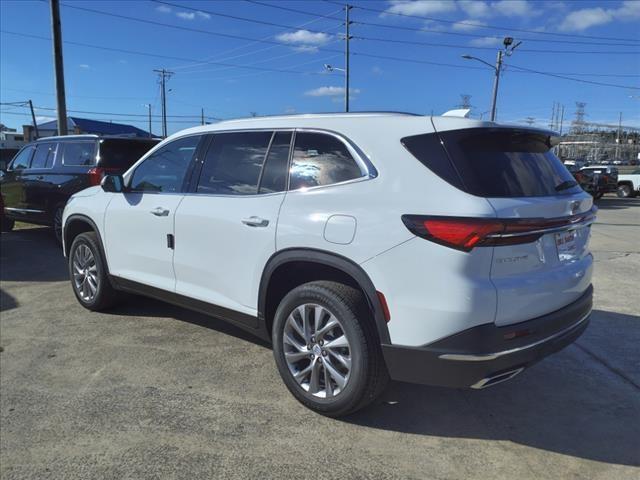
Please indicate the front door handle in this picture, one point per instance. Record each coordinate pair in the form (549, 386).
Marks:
(255, 222)
(160, 212)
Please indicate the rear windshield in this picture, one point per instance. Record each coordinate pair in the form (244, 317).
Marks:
(494, 162)
(122, 153)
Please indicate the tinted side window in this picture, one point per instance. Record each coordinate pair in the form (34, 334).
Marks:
(164, 170)
(23, 158)
(44, 156)
(321, 159)
(79, 153)
(233, 163)
(122, 153)
(274, 173)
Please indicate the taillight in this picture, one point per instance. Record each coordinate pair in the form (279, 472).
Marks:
(463, 233)
(95, 175)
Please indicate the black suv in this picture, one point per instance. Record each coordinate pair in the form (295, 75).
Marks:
(45, 173)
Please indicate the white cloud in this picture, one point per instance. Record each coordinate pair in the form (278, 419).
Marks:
(512, 8)
(465, 25)
(486, 42)
(421, 7)
(587, 17)
(84, 66)
(376, 70)
(475, 8)
(163, 9)
(203, 15)
(186, 15)
(306, 48)
(330, 92)
(304, 37)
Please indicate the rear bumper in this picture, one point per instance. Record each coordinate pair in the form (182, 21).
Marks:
(486, 354)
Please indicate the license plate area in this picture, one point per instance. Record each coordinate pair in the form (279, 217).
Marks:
(567, 245)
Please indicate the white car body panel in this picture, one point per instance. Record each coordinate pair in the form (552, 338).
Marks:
(136, 239)
(218, 258)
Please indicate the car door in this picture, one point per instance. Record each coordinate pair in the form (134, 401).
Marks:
(225, 229)
(139, 222)
(13, 195)
(38, 189)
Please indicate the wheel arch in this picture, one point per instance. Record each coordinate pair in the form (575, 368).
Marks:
(309, 264)
(77, 224)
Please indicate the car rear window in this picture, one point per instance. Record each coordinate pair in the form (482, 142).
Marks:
(494, 162)
(122, 153)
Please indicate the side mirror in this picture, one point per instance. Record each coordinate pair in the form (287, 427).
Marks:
(112, 183)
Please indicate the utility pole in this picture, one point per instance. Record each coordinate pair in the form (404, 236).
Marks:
(496, 81)
(164, 75)
(59, 67)
(202, 116)
(148, 105)
(33, 117)
(561, 119)
(619, 139)
(347, 37)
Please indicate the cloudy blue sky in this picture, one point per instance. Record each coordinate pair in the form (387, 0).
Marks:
(266, 56)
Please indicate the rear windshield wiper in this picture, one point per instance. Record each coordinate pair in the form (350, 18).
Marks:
(565, 185)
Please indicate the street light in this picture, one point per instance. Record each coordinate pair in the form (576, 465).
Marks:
(508, 50)
(331, 68)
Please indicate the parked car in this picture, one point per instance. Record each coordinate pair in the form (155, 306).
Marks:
(362, 246)
(629, 184)
(45, 173)
(606, 178)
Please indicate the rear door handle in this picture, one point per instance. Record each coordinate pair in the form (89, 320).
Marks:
(255, 222)
(160, 212)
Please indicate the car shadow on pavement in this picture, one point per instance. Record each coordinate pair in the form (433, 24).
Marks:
(567, 404)
(613, 203)
(7, 302)
(138, 306)
(31, 255)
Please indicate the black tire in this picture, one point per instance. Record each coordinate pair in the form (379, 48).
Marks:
(7, 224)
(625, 191)
(368, 374)
(598, 195)
(105, 295)
(57, 224)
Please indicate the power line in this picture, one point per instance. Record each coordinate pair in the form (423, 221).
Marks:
(170, 57)
(109, 113)
(265, 69)
(492, 27)
(370, 24)
(132, 120)
(581, 80)
(472, 47)
(235, 17)
(295, 10)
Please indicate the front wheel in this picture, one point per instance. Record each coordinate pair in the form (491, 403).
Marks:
(326, 348)
(88, 274)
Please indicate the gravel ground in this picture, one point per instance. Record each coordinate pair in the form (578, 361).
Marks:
(153, 391)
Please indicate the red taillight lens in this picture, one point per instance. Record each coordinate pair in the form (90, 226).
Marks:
(95, 175)
(464, 233)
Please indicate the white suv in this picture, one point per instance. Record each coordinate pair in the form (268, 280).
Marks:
(435, 250)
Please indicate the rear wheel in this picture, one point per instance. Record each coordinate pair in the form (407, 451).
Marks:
(598, 195)
(624, 191)
(326, 348)
(88, 274)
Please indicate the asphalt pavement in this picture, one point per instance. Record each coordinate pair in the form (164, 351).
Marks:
(149, 390)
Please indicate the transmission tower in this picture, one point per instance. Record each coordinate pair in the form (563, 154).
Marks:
(465, 101)
(530, 120)
(578, 124)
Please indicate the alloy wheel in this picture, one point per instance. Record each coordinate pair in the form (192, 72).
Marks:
(317, 350)
(85, 273)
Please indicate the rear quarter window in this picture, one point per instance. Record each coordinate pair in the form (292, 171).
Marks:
(79, 154)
